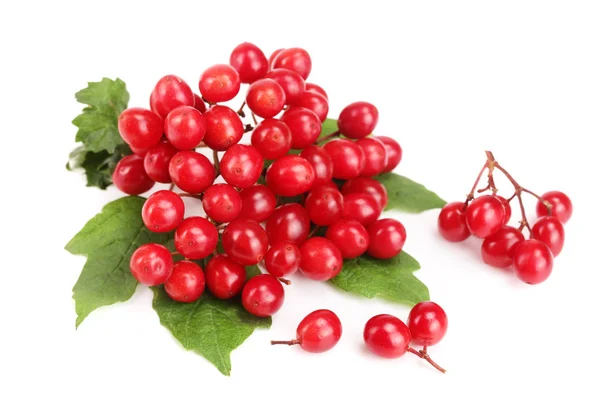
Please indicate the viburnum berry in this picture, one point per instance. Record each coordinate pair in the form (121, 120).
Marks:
(497, 250)
(283, 258)
(219, 83)
(428, 323)
(295, 59)
(358, 120)
(314, 102)
(324, 205)
(562, 207)
(288, 223)
(258, 203)
(350, 237)
(375, 156)
(140, 128)
(130, 176)
(272, 138)
(139, 151)
(533, 261)
(290, 175)
(196, 238)
(151, 264)
(192, 172)
(452, 222)
(249, 61)
(199, 104)
(224, 128)
(485, 216)
(393, 151)
(265, 98)
(186, 283)
(507, 209)
(367, 186)
(362, 207)
(320, 259)
(224, 277)
(221, 202)
(163, 211)
(313, 87)
(348, 158)
(245, 241)
(263, 295)
(386, 336)
(318, 332)
(272, 58)
(304, 124)
(386, 238)
(321, 163)
(185, 127)
(290, 81)
(241, 165)
(156, 162)
(169, 93)
(550, 231)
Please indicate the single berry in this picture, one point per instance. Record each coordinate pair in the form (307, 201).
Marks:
(386, 336)
(186, 283)
(427, 323)
(263, 295)
(358, 120)
(305, 126)
(318, 332)
(375, 156)
(295, 59)
(258, 203)
(367, 186)
(291, 83)
(249, 61)
(320, 259)
(224, 128)
(314, 102)
(272, 58)
(350, 236)
(507, 210)
(224, 277)
(393, 151)
(130, 176)
(550, 231)
(313, 87)
(452, 222)
(169, 93)
(533, 261)
(288, 223)
(321, 163)
(196, 238)
(283, 258)
(192, 172)
(348, 158)
(290, 176)
(498, 249)
(151, 264)
(139, 151)
(245, 241)
(140, 128)
(199, 104)
(324, 205)
(241, 165)
(156, 162)
(221, 202)
(386, 238)
(272, 138)
(485, 216)
(361, 207)
(265, 98)
(163, 211)
(185, 127)
(219, 83)
(562, 208)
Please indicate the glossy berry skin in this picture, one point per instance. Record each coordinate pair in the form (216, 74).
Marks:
(283, 258)
(428, 323)
(169, 93)
(241, 165)
(497, 250)
(295, 59)
(224, 277)
(348, 158)
(357, 120)
(288, 223)
(375, 156)
(507, 209)
(313, 87)
(533, 261)
(562, 207)
(485, 216)
(151, 264)
(265, 98)
(249, 61)
(199, 104)
(452, 222)
(245, 241)
(263, 295)
(272, 138)
(291, 83)
(314, 102)
(224, 128)
(219, 83)
(362, 207)
(305, 126)
(130, 176)
(393, 151)
(272, 58)
(319, 331)
(258, 203)
(324, 205)
(350, 237)
(321, 163)
(222, 202)
(386, 336)
(367, 186)
(290, 176)
(139, 151)
(386, 238)
(192, 172)
(163, 211)
(140, 128)
(550, 231)
(156, 162)
(185, 127)
(320, 259)
(186, 284)
(196, 238)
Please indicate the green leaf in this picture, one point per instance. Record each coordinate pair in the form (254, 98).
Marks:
(210, 327)
(390, 279)
(407, 195)
(329, 126)
(108, 240)
(98, 167)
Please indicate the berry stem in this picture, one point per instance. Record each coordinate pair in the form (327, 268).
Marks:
(423, 354)
(315, 229)
(193, 196)
(201, 146)
(327, 137)
(208, 102)
(216, 162)
(241, 112)
(248, 128)
(288, 342)
(175, 253)
(471, 194)
(285, 281)
(171, 187)
(254, 119)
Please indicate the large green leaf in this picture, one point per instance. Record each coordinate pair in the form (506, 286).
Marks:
(407, 195)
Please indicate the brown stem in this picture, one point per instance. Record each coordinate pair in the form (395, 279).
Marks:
(315, 229)
(288, 342)
(193, 196)
(241, 112)
(285, 281)
(254, 119)
(471, 194)
(327, 137)
(248, 128)
(423, 354)
(175, 253)
(202, 145)
(216, 162)
(171, 187)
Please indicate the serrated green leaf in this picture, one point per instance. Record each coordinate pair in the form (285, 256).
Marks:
(108, 240)
(407, 195)
(391, 279)
(98, 167)
(210, 327)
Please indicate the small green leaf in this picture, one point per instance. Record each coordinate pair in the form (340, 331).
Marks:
(407, 195)
(108, 240)
(252, 271)
(329, 126)
(390, 279)
(210, 327)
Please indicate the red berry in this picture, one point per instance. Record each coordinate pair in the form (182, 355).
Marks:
(562, 208)
(224, 128)
(185, 127)
(367, 186)
(245, 241)
(324, 205)
(263, 295)
(290, 176)
(361, 207)
(350, 236)
(265, 98)
(163, 211)
(318, 332)
(393, 151)
(192, 172)
(375, 156)
(291, 83)
(272, 58)
(321, 163)
(151, 264)
(452, 222)
(295, 59)
(258, 203)
(313, 87)
(304, 124)
(497, 250)
(550, 231)
(196, 238)
(241, 165)
(386, 238)
(272, 138)
(140, 151)
(288, 223)
(219, 83)
(169, 93)
(140, 128)
(130, 176)
(386, 336)
(224, 277)
(186, 283)
(348, 158)
(283, 258)
(156, 162)
(507, 210)
(485, 216)
(199, 104)
(358, 120)
(249, 61)
(221, 202)
(533, 261)
(427, 323)
(314, 102)
(320, 259)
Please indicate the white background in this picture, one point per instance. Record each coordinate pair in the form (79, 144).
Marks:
(450, 79)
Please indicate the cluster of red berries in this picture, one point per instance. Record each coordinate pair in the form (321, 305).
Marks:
(504, 246)
(164, 140)
(384, 335)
